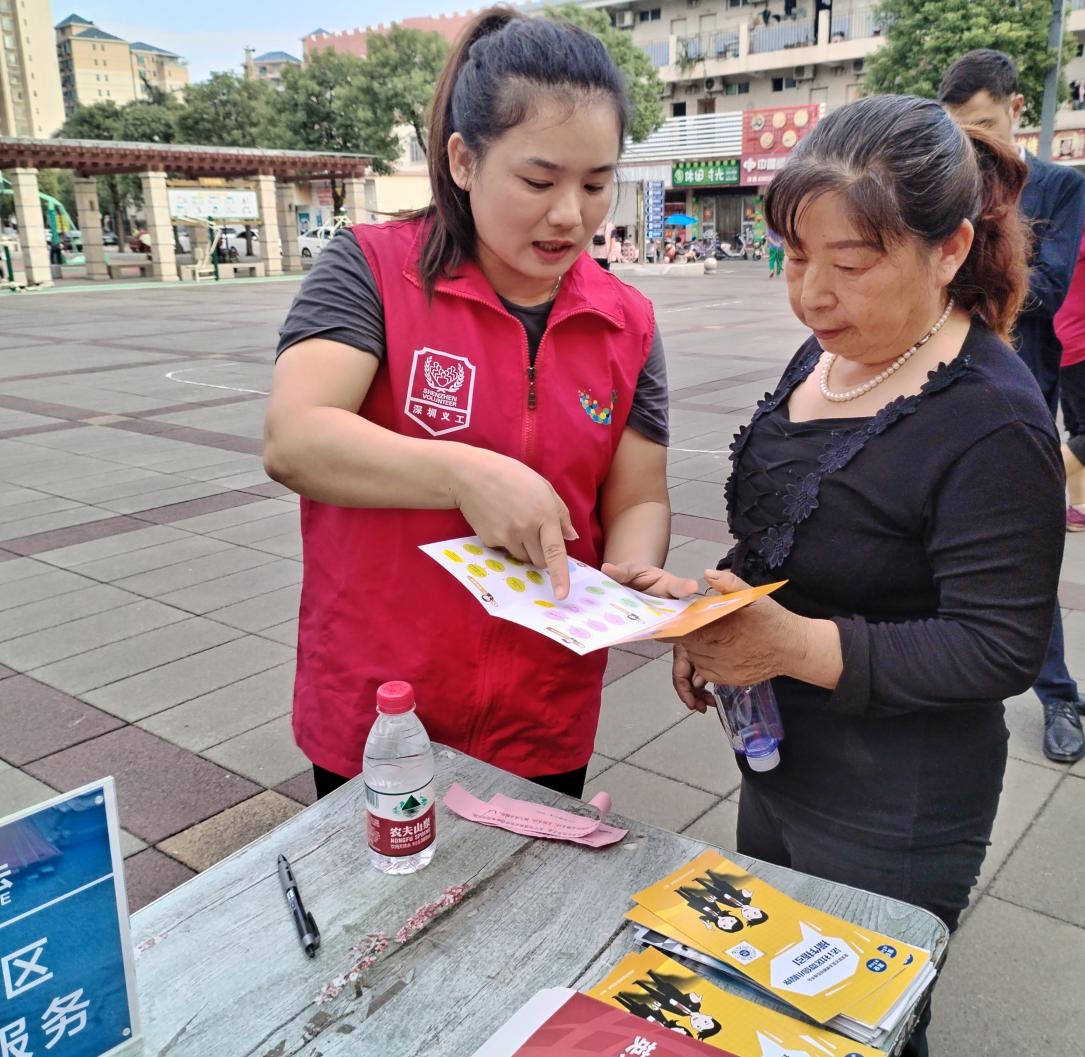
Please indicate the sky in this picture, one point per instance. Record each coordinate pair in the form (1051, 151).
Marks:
(213, 34)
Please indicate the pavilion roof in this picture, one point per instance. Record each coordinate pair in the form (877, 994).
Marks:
(101, 157)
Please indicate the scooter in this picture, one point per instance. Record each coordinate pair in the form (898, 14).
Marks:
(734, 250)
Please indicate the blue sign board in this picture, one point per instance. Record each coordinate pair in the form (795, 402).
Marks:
(67, 988)
(653, 209)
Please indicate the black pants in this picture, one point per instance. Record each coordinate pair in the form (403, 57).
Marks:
(1072, 398)
(937, 878)
(571, 783)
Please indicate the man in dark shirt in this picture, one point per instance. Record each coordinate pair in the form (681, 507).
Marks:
(980, 88)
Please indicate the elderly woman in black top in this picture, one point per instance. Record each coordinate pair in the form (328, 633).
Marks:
(904, 478)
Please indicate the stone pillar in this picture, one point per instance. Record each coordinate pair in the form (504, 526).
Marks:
(159, 228)
(90, 226)
(24, 186)
(199, 236)
(288, 228)
(354, 199)
(270, 242)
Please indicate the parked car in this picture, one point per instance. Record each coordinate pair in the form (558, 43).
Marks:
(312, 242)
(109, 238)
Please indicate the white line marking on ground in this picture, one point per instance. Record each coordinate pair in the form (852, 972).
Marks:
(173, 377)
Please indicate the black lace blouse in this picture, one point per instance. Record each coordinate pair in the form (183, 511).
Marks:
(931, 533)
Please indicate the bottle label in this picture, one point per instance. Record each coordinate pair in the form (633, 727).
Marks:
(400, 823)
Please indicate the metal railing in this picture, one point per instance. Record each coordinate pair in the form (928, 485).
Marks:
(780, 35)
(857, 24)
(720, 44)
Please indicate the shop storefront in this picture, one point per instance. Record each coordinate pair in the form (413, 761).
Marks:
(710, 191)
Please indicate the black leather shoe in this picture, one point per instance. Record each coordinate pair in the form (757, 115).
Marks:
(1064, 741)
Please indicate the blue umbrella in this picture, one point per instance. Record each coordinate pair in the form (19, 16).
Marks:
(682, 220)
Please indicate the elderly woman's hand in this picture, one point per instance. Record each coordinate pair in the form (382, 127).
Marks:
(746, 647)
(759, 642)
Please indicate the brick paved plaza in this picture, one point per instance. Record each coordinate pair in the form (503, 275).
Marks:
(149, 577)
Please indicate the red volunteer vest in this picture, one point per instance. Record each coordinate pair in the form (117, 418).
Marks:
(374, 607)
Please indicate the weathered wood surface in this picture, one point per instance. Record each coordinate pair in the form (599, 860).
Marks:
(221, 972)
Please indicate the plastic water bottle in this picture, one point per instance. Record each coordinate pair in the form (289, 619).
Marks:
(751, 718)
(401, 821)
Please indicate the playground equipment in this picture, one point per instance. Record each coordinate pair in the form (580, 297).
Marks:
(58, 219)
(206, 264)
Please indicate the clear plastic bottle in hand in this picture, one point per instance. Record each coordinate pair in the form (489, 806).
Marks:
(401, 819)
(751, 718)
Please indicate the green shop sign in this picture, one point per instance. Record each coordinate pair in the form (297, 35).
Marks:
(704, 173)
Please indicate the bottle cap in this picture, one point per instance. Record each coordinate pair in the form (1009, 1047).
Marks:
(764, 762)
(395, 697)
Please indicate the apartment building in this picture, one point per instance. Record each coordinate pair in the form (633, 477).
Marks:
(156, 68)
(99, 67)
(718, 55)
(269, 66)
(30, 99)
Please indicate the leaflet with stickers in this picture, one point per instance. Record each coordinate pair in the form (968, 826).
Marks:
(858, 981)
(660, 990)
(598, 611)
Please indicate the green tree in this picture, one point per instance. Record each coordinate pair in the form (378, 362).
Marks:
(642, 78)
(146, 122)
(401, 71)
(924, 36)
(103, 121)
(328, 105)
(228, 111)
(97, 121)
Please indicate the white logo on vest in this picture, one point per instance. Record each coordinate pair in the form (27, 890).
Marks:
(440, 392)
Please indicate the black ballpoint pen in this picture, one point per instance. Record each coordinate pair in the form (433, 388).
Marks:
(305, 923)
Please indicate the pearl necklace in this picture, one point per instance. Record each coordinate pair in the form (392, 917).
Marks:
(900, 361)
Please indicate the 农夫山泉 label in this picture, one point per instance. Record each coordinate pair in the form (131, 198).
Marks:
(400, 824)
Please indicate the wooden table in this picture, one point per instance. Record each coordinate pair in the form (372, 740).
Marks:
(221, 972)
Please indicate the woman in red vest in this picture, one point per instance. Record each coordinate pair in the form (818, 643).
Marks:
(471, 370)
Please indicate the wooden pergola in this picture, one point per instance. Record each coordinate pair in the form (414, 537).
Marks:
(100, 158)
(271, 171)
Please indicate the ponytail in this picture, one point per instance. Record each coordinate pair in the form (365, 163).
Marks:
(993, 281)
(451, 235)
(490, 83)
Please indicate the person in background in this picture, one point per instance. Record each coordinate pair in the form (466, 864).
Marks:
(776, 252)
(1070, 330)
(981, 89)
(434, 380)
(906, 617)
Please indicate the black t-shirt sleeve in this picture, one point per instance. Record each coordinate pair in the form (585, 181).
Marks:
(650, 413)
(994, 540)
(338, 300)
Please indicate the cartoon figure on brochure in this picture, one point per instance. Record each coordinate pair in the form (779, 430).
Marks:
(726, 895)
(662, 998)
(720, 904)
